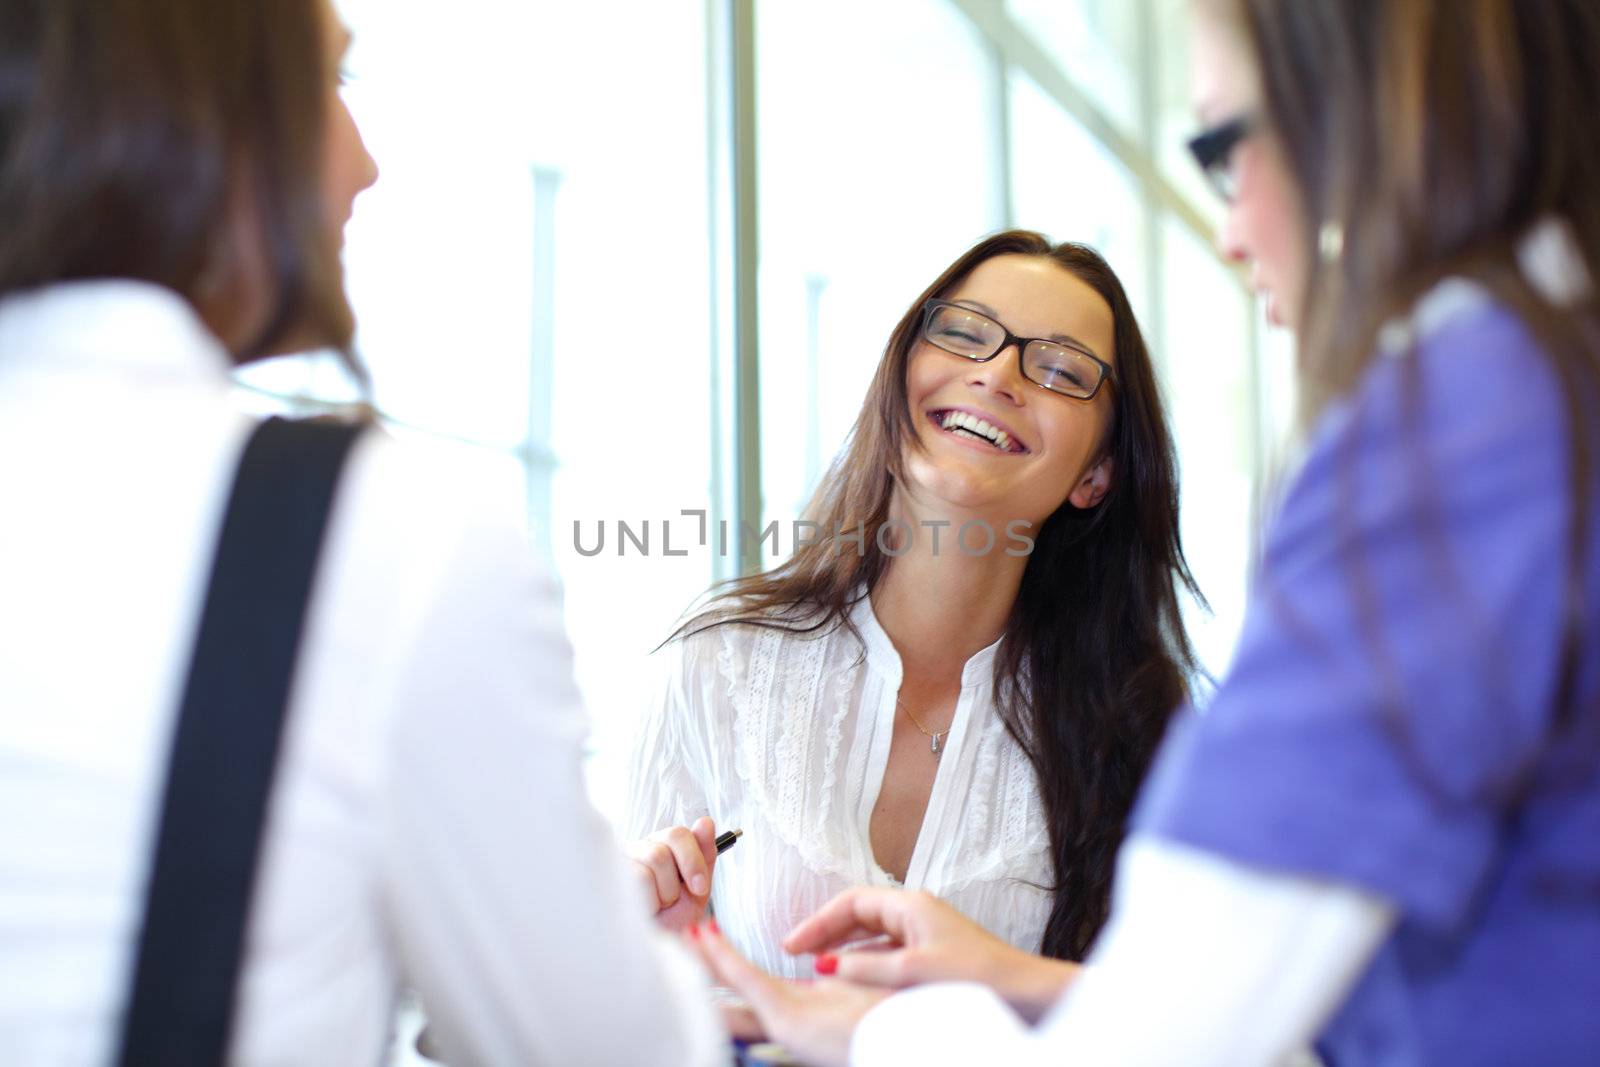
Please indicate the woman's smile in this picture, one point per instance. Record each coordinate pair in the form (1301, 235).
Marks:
(979, 430)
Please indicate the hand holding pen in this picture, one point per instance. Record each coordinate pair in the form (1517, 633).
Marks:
(675, 868)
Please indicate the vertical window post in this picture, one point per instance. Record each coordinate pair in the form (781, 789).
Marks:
(537, 453)
(735, 244)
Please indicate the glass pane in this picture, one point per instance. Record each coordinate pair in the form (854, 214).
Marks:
(1175, 118)
(873, 178)
(1065, 183)
(1095, 43)
(531, 274)
(439, 256)
(1210, 391)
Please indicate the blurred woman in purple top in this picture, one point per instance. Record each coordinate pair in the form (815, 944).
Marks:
(1384, 833)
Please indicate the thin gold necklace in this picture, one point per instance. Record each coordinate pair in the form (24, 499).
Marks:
(935, 740)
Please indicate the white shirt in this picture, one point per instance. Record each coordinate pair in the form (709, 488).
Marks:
(787, 737)
(429, 822)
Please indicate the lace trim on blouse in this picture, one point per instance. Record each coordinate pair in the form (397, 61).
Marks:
(781, 689)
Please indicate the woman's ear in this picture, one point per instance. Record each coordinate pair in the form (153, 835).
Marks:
(1094, 485)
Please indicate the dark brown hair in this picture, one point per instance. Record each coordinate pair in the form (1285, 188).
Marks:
(1095, 657)
(1438, 136)
(130, 130)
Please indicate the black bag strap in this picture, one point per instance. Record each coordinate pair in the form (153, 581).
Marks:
(226, 744)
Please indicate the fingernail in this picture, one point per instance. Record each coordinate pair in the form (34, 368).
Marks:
(827, 963)
(693, 931)
(714, 927)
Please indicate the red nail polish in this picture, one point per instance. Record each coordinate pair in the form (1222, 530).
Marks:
(714, 927)
(693, 931)
(827, 963)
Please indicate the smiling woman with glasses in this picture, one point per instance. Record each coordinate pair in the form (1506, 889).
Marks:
(957, 685)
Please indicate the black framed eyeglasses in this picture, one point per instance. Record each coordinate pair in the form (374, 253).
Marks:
(1059, 366)
(1213, 150)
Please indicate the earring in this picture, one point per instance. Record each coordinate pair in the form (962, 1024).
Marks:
(1330, 241)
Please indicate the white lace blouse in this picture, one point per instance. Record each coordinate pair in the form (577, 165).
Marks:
(787, 737)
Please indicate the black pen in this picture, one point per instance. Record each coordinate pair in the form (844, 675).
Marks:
(725, 841)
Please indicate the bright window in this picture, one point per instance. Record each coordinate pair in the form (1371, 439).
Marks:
(533, 274)
(874, 176)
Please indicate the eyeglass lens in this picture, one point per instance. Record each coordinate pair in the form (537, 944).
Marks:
(1213, 150)
(964, 332)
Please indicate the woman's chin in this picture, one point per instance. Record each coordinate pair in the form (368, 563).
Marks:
(957, 501)
(1274, 311)
(1277, 314)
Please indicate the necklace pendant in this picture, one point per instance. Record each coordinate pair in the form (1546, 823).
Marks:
(934, 743)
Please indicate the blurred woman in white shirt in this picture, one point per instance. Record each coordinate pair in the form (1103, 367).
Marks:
(174, 181)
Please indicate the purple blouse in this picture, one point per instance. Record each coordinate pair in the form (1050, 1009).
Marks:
(1390, 720)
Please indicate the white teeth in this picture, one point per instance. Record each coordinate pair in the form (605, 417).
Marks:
(960, 420)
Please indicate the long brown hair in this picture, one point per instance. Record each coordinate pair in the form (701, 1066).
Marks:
(1438, 136)
(129, 130)
(1095, 657)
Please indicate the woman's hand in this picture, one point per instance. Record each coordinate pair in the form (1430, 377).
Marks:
(675, 868)
(814, 1021)
(923, 939)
